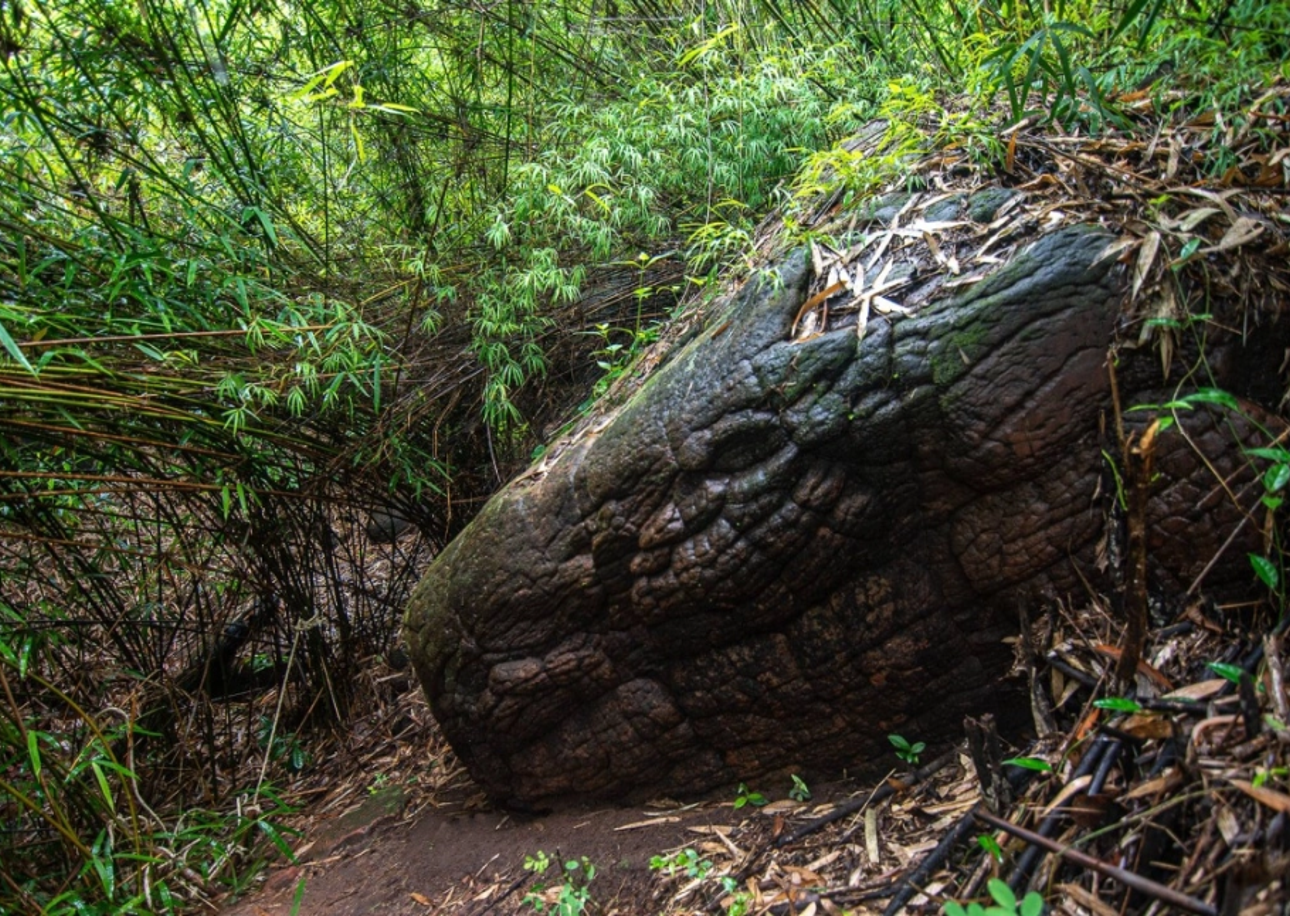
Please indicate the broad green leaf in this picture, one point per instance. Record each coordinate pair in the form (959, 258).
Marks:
(1032, 905)
(1117, 704)
(1272, 454)
(1227, 671)
(324, 77)
(1029, 763)
(1266, 570)
(1212, 396)
(1002, 894)
(1276, 477)
(103, 785)
(14, 350)
(275, 835)
(33, 752)
(991, 846)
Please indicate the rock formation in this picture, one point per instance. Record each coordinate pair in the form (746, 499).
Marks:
(783, 548)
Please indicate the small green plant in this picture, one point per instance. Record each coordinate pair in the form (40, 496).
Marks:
(906, 751)
(745, 797)
(286, 748)
(991, 846)
(1005, 903)
(538, 863)
(799, 792)
(1263, 775)
(572, 897)
(614, 358)
(687, 860)
(379, 782)
(740, 902)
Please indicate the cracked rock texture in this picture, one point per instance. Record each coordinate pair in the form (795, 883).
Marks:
(778, 552)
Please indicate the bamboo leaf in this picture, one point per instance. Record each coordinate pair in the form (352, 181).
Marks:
(14, 350)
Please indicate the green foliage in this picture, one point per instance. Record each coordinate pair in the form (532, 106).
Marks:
(263, 268)
(1005, 903)
(67, 793)
(686, 861)
(570, 898)
(1118, 704)
(743, 797)
(1227, 671)
(800, 792)
(1269, 567)
(1030, 763)
(905, 750)
(991, 846)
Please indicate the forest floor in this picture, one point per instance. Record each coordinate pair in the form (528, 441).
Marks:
(1177, 802)
(1172, 796)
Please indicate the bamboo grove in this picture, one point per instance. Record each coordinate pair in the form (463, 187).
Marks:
(268, 266)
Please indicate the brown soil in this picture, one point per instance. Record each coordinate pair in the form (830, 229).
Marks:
(455, 857)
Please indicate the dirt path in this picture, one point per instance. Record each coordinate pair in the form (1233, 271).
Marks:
(455, 858)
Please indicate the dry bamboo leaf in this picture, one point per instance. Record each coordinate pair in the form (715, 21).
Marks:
(424, 900)
(1146, 258)
(1147, 727)
(713, 829)
(1220, 200)
(817, 263)
(923, 227)
(1243, 231)
(1117, 248)
(1166, 782)
(871, 835)
(1073, 787)
(652, 822)
(1191, 219)
(781, 806)
(862, 320)
(857, 280)
(881, 250)
(825, 860)
(1087, 900)
(887, 307)
(1228, 825)
(800, 875)
(1270, 798)
(1202, 690)
(808, 308)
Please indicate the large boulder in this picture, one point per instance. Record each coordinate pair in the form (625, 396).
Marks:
(780, 550)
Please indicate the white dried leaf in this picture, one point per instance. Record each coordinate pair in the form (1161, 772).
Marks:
(862, 320)
(1243, 231)
(1146, 258)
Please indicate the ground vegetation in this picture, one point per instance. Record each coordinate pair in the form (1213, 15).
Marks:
(267, 268)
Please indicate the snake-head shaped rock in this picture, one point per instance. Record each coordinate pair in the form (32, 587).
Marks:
(779, 551)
